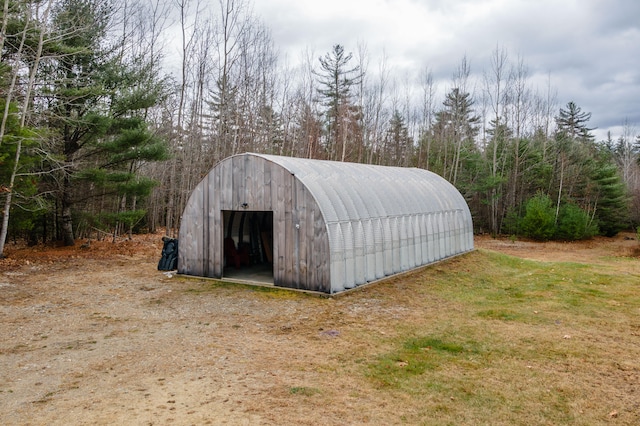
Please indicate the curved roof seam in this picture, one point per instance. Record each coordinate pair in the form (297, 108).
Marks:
(351, 191)
(395, 216)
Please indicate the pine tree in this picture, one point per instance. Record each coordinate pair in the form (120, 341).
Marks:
(336, 80)
(574, 159)
(454, 132)
(572, 122)
(612, 203)
(538, 222)
(398, 144)
(96, 111)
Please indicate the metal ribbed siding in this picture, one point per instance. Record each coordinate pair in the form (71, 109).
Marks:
(335, 225)
(383, 220)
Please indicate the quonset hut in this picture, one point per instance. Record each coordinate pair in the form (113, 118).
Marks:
(319, 225)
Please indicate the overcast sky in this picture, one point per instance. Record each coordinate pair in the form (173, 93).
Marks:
(590, 48)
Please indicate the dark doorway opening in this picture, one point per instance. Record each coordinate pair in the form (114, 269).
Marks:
(248, 245)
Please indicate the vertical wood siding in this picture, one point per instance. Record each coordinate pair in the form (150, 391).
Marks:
(299, 252)
(331, 231)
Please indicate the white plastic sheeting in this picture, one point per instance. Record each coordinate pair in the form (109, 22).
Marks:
(383, 220)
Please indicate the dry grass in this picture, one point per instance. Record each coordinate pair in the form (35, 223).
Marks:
(486, 338)
(519, 342)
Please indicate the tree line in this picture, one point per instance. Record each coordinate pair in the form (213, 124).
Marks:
(105, 130)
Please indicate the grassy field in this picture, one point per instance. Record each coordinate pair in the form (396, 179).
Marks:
(515, 341)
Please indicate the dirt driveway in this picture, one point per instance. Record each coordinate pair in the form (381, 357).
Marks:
(99, 336)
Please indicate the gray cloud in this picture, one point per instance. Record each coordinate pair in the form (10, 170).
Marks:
(590, 48)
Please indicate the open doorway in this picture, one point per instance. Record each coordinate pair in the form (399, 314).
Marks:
(248, 245)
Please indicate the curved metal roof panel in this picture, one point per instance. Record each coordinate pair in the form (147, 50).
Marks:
(350, 191)
(335, 225)
(382, 220)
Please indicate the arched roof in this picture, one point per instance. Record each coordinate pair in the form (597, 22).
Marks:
(350, 191)
(336, 225)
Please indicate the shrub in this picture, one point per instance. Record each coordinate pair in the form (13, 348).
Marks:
(574, 224)
(539, 220)
(511, 222)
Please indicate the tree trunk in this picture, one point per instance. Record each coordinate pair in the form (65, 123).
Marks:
(5, 21)
(67, 220)
(560, 187)
(5, 221)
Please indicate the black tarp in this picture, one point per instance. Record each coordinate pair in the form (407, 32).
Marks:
(169, 259)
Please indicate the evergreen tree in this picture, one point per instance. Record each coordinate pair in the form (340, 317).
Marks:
(539, 220)
(574, 160)
(455, 130)
(573, 123)
(96, 111)
(336, 80)
(398, 144)
(611, 200)
(574, 224)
